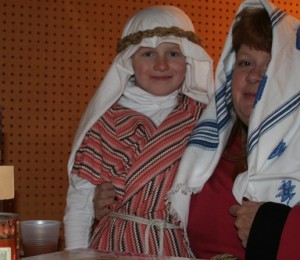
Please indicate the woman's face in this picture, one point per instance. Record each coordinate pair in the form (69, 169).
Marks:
(249, 69)
(161, 70)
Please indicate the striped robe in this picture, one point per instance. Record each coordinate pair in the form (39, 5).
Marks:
(141, 160)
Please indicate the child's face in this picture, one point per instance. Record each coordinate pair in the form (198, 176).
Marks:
(161, 70)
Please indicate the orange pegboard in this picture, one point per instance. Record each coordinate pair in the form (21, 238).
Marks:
(53, 56)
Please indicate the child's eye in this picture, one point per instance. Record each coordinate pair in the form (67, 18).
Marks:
(148, 54)
(175, 54)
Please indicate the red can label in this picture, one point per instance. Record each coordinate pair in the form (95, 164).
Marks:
(9, 241)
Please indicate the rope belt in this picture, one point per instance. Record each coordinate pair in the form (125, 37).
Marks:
(161, 224)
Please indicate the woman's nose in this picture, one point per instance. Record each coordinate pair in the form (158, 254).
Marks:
(161, 63)
(256, 75)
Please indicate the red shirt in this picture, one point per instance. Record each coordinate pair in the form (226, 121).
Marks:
(211, 228)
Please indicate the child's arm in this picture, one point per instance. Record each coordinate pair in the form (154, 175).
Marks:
(79, 214)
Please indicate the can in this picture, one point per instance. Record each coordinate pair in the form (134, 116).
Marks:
(9, 236)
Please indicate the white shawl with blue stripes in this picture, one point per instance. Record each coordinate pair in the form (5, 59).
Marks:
(274, 128)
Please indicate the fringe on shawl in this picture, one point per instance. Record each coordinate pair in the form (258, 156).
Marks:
(188, 191)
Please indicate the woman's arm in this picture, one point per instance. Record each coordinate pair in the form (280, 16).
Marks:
(244, 214)
(289, 247)
(268, 230)
(104, 197)
(265, 233)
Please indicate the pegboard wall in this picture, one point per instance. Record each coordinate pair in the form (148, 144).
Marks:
(54, 53)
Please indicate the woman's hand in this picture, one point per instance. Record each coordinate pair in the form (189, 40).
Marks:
(104, 197)
(244, 214)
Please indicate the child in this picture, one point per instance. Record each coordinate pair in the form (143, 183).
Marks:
(133, 134)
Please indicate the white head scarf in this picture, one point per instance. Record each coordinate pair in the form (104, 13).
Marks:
(273, 134)
(198, 82)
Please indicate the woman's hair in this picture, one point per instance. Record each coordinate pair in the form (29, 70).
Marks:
(253, 28)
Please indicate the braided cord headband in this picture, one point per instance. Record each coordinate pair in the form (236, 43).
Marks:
(137, 37)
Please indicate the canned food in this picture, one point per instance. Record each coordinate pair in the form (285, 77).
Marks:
(9, 236)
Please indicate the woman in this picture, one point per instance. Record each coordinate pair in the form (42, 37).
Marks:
(246, 145)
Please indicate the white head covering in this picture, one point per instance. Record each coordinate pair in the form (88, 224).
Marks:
(274, 127)
(198, 82)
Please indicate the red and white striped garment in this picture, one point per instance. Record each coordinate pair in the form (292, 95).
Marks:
(141, 160)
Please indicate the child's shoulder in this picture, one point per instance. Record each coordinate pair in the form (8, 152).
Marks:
(184, 99)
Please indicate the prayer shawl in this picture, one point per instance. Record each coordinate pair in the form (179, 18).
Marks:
(198, 82)
(274, 128)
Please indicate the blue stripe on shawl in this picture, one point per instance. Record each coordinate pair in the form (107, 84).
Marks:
(224, 103)
(277, 16)
(206, 132)
(205, 135)
(277, 116)
(260, 90)
(298, 39)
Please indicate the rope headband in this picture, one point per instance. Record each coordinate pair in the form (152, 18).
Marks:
(136, 38)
